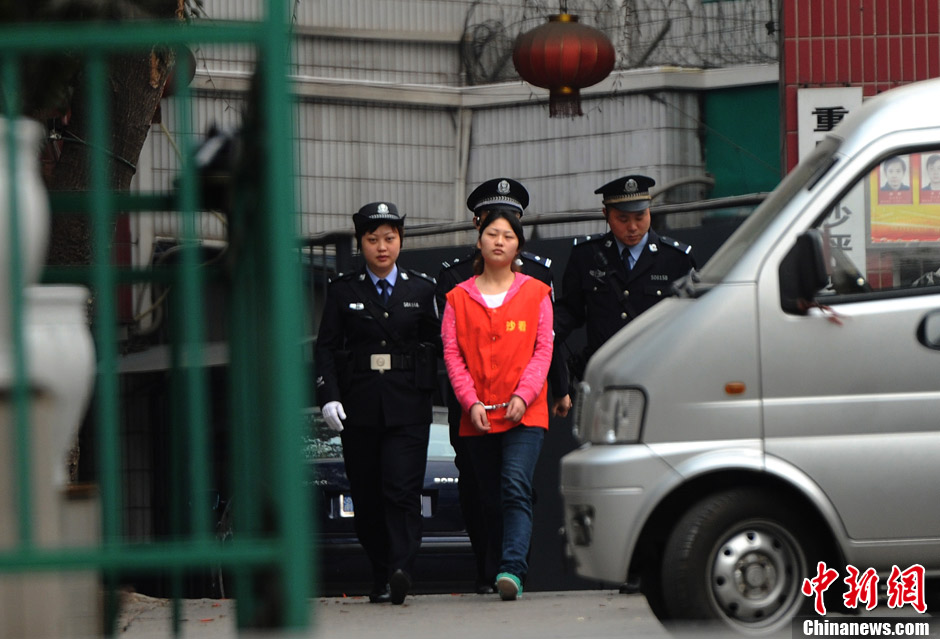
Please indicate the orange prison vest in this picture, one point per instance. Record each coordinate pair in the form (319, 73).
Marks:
(497, 344)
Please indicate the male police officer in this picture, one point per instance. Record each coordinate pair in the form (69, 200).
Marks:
(612, 278)
(496, 194)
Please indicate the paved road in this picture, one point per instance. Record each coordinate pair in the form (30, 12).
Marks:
(598, 614)
(574, 614)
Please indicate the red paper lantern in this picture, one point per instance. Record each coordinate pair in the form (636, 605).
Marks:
(563, 56)
(169, 87)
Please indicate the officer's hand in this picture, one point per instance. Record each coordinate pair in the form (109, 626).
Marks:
(561, 406)
(478, 418)
(516, 409)
(333, 414)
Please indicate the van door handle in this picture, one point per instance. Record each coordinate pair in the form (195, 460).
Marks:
(928, 332)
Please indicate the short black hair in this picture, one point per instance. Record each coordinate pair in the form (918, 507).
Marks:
(509, 216)
(895, 159)
(371, 226)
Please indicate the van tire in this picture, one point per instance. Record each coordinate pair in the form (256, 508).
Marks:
(738, 556)
(652, 588)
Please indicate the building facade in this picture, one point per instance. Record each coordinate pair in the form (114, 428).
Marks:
(417, 101)
(868, 46)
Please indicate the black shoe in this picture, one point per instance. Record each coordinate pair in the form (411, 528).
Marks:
(400, 585)
(631, 586)
(485, 587)
(380, 594)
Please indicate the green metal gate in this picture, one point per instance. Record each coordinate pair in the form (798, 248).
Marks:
(269, 556)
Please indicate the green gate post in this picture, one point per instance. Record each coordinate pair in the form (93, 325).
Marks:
(268, 382)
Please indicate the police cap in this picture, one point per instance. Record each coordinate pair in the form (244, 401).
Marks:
(629, 193)
(376, 214)
(499, 193)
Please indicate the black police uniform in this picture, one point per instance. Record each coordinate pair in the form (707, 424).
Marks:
(492, 193)
(599, 292)
(388, 411)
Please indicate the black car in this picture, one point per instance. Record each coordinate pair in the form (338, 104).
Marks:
(445, 562)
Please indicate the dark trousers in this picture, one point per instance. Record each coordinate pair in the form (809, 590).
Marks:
(504, 464)
(471, 507)
(386, 467)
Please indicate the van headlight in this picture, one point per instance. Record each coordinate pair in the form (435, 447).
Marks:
(581, 399)
(616, 418)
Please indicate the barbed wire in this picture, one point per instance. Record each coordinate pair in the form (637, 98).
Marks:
(645, 33)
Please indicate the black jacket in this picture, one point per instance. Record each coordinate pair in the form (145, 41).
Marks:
(599, 293)
(354, 327)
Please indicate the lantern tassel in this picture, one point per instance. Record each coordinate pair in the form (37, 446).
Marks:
(564, 103)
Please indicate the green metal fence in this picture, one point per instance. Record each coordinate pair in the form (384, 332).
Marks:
(269, 556)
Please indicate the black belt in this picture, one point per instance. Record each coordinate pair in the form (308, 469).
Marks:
(384, 361)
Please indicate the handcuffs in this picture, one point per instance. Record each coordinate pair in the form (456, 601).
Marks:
(494, 406)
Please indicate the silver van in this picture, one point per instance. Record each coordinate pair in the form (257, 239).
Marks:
(784, 409)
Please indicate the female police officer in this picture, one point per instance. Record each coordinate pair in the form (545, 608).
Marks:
(376, 359)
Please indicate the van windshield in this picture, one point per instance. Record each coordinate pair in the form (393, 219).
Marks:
(804, 174)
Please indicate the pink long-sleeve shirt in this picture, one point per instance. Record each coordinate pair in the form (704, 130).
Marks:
(532, 380)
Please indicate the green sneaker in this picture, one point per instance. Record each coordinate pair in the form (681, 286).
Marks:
(509, 586)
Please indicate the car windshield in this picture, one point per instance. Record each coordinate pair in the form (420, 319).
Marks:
(805, 173)
(439, 445)
(322, 443)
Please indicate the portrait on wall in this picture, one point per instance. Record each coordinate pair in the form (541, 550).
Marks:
(905, 199)
(895, 181)
(930, 178)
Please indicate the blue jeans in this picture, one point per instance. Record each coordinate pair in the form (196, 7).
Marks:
(504, 464)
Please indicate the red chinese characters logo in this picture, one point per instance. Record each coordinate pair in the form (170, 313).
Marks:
(907, 587)
(819, 584)
(904, 587)
(863, 588)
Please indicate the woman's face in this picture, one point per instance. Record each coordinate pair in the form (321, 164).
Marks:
(498, 243)
(380, 249)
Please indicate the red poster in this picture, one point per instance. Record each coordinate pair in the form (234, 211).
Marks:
(906, 199)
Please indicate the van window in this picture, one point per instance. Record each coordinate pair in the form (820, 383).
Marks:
(883, 236)
(803, 176)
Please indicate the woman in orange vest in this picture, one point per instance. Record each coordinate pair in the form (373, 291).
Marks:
(497, 332)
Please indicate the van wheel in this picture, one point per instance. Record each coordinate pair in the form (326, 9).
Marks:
(740, 558)
(652, 588)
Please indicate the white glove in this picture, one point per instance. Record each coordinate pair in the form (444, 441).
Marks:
(333, 413)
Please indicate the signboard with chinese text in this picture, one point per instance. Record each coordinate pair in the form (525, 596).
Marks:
(847, 224)
(820, 110)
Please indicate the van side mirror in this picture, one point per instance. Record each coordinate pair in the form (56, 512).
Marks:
(803, 272)
(928, 333)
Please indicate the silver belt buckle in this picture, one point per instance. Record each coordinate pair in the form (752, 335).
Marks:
(380, 362)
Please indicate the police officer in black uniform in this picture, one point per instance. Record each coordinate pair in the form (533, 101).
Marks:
(376, 358)
(497, 194)
(612, 278)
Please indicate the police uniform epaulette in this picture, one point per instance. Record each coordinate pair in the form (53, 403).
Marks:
(423, 276)
(457, 261)
(588, 238)
(341, 276)
(676, 244)
(538, 259)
